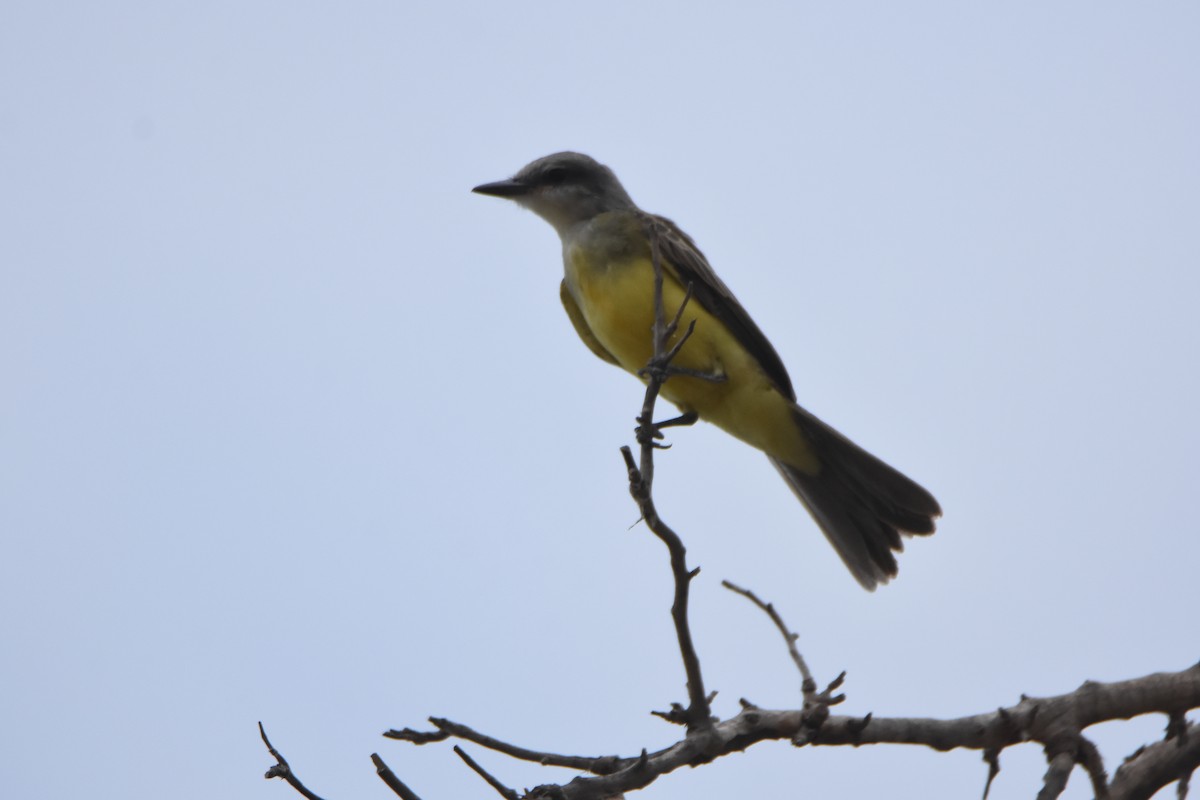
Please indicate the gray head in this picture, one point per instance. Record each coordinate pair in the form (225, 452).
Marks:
(564, 189)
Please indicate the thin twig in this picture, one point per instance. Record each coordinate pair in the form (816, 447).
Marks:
(387, 776)
(816, 704)
(808, 685)
(641, 480)
(417, 737)
(282, 770)
(673, 325)
(504, 791)
(598, 765)
(992, 757)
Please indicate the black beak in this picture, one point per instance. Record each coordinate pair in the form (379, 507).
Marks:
(505, 188)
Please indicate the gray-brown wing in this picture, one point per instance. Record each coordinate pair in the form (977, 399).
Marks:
(690, 265)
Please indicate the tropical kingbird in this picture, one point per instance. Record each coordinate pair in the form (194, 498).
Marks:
(739, 382)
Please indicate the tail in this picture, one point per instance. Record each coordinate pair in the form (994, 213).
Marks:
(862, 505)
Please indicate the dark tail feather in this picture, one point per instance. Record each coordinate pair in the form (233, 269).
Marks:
(862, 505)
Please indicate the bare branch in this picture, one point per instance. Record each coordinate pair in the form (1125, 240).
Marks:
(674, 323)
(992, 756)
(1155, 766)
(1029, 720)
(417, 737)
(1088, 756)
(282, 769)
(504, 791)
(698, 712)
(1056, 776)
(641, 478)
(395, 784)
(1177, 725)
(808, 685)
(598, 765)
(816, 704)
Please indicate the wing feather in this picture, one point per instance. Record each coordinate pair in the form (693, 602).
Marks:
(683, 257)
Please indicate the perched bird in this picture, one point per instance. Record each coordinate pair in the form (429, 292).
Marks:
(862, 505)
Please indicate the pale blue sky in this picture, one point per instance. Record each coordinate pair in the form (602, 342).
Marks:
(293, 428)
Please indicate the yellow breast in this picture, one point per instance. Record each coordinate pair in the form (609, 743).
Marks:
(614, 289)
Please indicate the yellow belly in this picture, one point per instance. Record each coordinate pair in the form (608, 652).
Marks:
(617, 302)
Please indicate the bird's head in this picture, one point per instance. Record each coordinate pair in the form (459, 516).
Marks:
(564, 189)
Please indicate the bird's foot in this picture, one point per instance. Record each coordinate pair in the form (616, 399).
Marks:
(648, 432)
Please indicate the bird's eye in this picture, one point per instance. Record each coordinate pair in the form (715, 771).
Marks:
(556, 175)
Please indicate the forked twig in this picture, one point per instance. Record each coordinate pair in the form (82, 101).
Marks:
(816, 704)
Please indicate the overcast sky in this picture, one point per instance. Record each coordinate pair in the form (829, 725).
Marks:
(293, 427)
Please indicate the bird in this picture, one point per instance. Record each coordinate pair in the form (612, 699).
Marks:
(728, 373)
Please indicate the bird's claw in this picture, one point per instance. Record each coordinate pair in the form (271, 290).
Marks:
(647, 432)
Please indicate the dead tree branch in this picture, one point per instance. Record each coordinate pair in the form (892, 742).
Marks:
(501, 789)
(816, 704)
(282, 769)
(1154, 766)
(1030, 720)
(597, 765)
(697, 716)
(388, 777)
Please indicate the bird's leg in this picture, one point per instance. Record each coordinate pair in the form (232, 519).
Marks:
(647, 431)
(682, 421)
(661, 371)
(711, 377)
